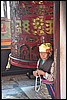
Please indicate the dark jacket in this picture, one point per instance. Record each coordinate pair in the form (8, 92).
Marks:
(46, 66)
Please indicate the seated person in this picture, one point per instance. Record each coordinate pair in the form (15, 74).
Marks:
(46, 68)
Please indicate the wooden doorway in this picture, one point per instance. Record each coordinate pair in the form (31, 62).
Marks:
(57, 48)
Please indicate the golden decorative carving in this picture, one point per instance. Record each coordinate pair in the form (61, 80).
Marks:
(49, 26)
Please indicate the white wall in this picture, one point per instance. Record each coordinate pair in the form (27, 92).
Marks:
(8, 9)
(63, 49)
(2, 10)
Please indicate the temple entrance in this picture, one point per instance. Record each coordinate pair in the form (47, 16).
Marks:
(32, 23)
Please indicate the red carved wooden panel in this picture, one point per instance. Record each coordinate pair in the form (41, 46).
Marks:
(31, 25)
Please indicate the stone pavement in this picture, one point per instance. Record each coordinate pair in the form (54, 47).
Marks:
(18, 87)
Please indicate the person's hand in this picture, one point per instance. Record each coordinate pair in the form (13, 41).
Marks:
(35, 73)
(40, 72)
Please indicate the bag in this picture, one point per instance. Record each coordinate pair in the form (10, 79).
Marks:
(37, 83)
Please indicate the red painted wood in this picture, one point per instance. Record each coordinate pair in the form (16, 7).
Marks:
(57, 48)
